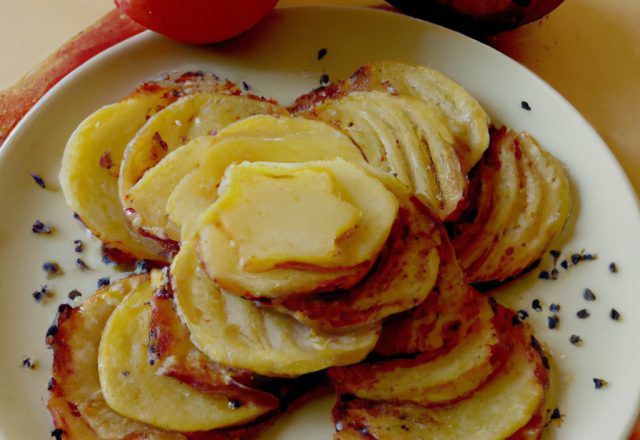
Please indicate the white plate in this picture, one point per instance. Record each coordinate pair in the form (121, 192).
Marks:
(279, 59)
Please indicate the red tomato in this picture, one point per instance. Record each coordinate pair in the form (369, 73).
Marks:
(197, 21)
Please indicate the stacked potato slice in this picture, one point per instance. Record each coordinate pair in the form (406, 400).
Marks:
(457, 367)
(521, 201)
(297, 240)
(420, 126)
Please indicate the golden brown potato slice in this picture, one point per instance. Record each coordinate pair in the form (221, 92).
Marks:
(148, 198)
(259, 139)
(91, 163)
(402, 277)
(94, 153)
(433, 377)
(522, 202)
(436, 353)
(76, 403)
(406, 137)
(317, 215)
(131, 386)
(177, 357)
(464, 116)
(237, 333)
(144, 190)
(438, 323)
(222, 240)
(508, 401)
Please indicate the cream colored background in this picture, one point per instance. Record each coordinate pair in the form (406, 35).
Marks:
(588, 50)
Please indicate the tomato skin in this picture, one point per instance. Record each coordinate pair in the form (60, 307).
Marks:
(197, 21)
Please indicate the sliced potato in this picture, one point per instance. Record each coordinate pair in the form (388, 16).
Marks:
(500, 408)
(292, 215)
(236, 332)
(438, 323)
(177, 357)
(464, 116)
(523, 202)
(403, 136)
(148, 198)
(143, 190)
(427, 378)
(131, 387)
(402, 278)
(454, 340)
(220, 248)
(90, 169)
(255, 139)
(76, 402)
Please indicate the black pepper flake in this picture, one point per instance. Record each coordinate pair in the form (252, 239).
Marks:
(564, 264)
(554, 274)
(50, 384)
(108, 261)
(28, 363)
(78, 244)
(554, 254)
(556, 414)
(105, 160)
(39, 294)
(405, 428)
(65, 310)
(57, 433)
(615, 315)
(588, 257)
(575, 258)
(40, 228)
(599, 383)
(553, 322)
(102, 282)
(81, 264)
(74, 294)
(525, 105)
(364, 430)
(589, 295)
(51, 333)
(38, 180)
(536, 305)
(575, 339)
(321, 53)
(522, 314)
(50, 268)
(324, 80)
(152, 353)
(554, 308)
(142, 266)
(234, 404)
(613, 268)
(515, 321)
(246, 86)
(582, 314)
(544, 275)
(125, 373)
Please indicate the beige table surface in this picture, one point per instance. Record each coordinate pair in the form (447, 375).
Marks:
(588, 50)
